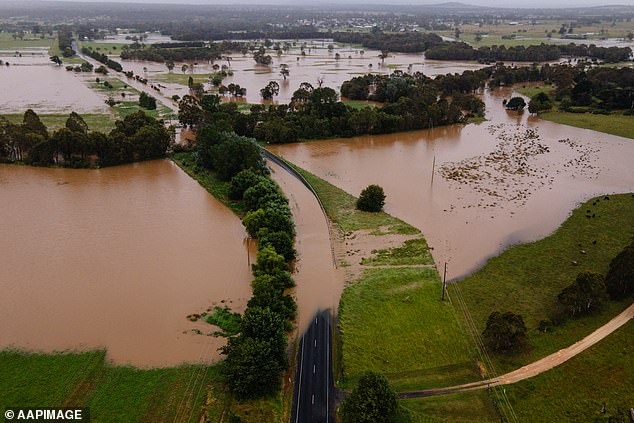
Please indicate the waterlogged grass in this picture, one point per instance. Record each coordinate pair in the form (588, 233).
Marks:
(412, 252)
(208, 180)
(7, 42)
(577, 390)
(125, 108)
(182, 78)
(526, 279)
(112, 393)
(225, 319)
(616, 123)
(394, 322)
(532, 90)
(341, 209)
(96, 122)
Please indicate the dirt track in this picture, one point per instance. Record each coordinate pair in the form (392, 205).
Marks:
(537, 367)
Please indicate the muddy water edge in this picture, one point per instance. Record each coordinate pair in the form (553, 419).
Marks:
(511, 179)
(116, 258)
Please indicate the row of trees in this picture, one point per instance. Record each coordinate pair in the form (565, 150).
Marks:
(411, 102)
(65, 42)
(137, 137)
(181, 54)
(536, 53)
(102, 58)
(257, 356)
(405, 42)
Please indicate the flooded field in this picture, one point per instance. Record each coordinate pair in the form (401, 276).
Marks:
(318, 64)
(34, 82)
(511, 179)
(318, 284)
(116, 258)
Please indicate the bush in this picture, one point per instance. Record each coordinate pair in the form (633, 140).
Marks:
(620, 277)
(261, 194)
(372, 199)
(504, 331)
(372, 401)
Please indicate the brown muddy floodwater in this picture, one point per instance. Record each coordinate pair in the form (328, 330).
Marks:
(116, 258)
(318, 63)
(36, 83)
(318, 285)
(511, 179)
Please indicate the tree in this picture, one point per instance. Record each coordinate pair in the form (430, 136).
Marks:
(271, 89)
(147, 101)
(585, 295)
(384, 55)
(55, 59)
(242, 181)
(76, 123)
(189, 112)
(516, 103)
(540, 102)
(269, 262)
(372, 401)
(234, 154)
(170, 65)
(284, 71)
(504, 331)
(620, 277)
(372, 199)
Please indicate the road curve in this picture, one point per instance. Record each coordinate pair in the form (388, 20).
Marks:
(535, 368)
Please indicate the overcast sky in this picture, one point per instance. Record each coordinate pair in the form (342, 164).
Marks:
(495, 3)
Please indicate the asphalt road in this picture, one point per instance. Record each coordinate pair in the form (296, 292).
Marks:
(313, 398)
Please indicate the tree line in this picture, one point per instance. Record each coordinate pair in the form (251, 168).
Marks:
(402, 42)
(256, 356)
(65, 42)
(102, 58)
(135, 138)
(410, 102)
(181, 54)
(536, 53)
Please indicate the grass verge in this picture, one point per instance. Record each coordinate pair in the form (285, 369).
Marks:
(527, 278)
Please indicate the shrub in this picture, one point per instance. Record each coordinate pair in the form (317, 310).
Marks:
(504, 331)
(372, 401)
(372, 199)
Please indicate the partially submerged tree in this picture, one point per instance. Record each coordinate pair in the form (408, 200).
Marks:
(516, 103)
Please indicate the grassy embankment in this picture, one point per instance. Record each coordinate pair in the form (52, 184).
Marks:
(616, 123)
(527, 278)
(392, 319)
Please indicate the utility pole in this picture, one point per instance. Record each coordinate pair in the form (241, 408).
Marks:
(433, 168)
(444, 282)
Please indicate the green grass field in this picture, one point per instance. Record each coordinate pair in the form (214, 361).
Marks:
(177, 77)
(460, 408)
(527, 278)
(394, 322)
(577, 390)
(7, 42)
(112, 393)
(96, 122)
(615, 123)
(105, 48)
(412, 252)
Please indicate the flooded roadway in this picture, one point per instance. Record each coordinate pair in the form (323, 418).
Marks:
(511, 179)
(116, 258)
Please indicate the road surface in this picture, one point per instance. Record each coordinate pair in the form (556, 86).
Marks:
(313, 397)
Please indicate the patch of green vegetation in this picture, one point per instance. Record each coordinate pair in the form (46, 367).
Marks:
(125, 108)
(55, 51)
(475, 406)
(578, 389)
(394, 322)
(96, 122)
(357, 104)
(225, 319)
(341, 209)
(208, 180)
(615, 123)
(104, 48)
(112, 393)
(413, 251)
(526, 279)
(182, 78)
(7, 42)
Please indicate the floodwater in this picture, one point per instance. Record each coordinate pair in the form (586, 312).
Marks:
(319, 63)
(116, 258)
(318, 285)
(511, 179)
(36, 83)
